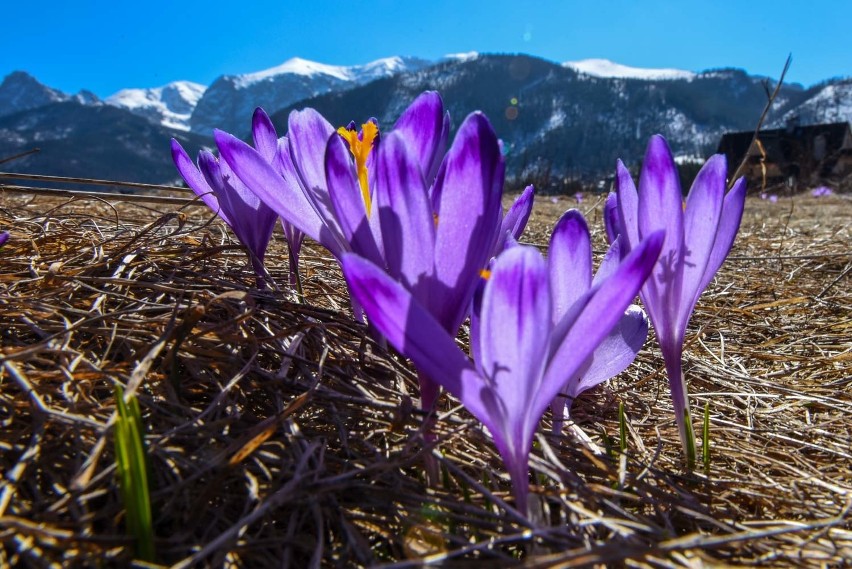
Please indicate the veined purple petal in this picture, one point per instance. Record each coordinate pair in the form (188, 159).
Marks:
(469, 186)
(612, 223)
(616, 352)
(405, 216)
(421, 127)
(195, 179)
(250, 219)
(601, 311)
(282, 195)
(569, 261)
(700, 224)
(628, 207)
(661, 207)
(264, 135)
(610, 262)
(349, 207)
(308, 133)
(308, 137)
(729, 224)
(514, 335)
(516, 218)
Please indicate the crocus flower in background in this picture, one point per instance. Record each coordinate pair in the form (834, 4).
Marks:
(432, 224)
(4, 236)
(579, 197)
(699, 236)
(249, 218)
(569, 265)
(772, 198)
(524, 357)
(821, 191)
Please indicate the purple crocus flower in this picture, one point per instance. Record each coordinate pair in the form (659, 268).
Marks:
(821, 191)
(569, 263)
(430, 220)
(4, 236)
(251, 220)
(524, 357)
(699, 235)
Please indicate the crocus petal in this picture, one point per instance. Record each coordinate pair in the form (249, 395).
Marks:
(628, 207)
(4, 236)
(569, 259)
(409, 328)
(514, 335)
(308, 136)
(729, 224)
(349, 207)
(616, 352)
(515, 323)
(308, 133)
(610, 262)
(516, 218)
(661, 208)
(195, 179)
(700, 224)
(421, 126)
(612, 223)
(264, 135)
(282, 195)
(405, 215)
(469, 206)
(601, 310)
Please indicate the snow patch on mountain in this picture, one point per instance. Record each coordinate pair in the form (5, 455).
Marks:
(170, 105)
(294, 66)
(830, 103)
(609, 69)
(465, 56)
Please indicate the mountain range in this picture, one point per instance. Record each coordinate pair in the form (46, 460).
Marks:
(559, 122)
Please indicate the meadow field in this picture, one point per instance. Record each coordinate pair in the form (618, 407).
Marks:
(278, 433)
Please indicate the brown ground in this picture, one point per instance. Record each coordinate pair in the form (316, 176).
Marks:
(279, 434)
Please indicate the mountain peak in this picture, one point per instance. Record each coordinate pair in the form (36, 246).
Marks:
(610, 69)
(20, 91)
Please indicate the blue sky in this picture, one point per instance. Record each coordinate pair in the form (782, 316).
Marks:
(105, 46)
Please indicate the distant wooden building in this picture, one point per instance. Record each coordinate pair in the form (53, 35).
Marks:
(797, 155)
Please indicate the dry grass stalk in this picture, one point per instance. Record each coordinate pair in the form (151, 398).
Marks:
(280, 434)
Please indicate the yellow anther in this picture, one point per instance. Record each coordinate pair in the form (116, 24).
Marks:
(485, 274)
(435, 219)
(360, 148)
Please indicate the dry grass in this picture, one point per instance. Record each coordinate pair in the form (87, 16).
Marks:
(280, 434)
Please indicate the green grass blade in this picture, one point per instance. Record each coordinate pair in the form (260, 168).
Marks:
(132, 468)
(622, 427)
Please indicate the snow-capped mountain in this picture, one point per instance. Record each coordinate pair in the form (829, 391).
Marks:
(558, 122)
(823, 103)
(20, 91)
(230, 101)
(170, 105)
(610, 69)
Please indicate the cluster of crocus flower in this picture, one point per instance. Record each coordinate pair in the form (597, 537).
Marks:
(251, 220)
(420, 234)
(821, 191)
(699, 235)
(432, 218)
